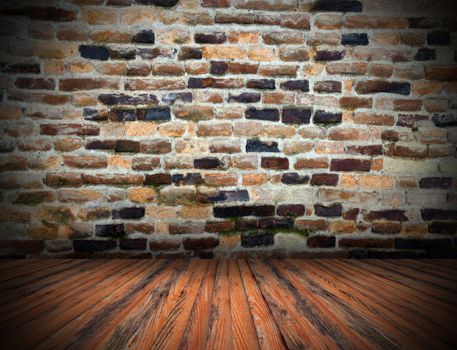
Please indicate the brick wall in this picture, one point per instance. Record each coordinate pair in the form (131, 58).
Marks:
(228, 128)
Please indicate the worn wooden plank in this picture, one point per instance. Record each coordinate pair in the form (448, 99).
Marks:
(220, 333)
(243, 330)
(197, 330)
(397, 311)
(298, 331)
(171, 331)
(268, 331)
(47, 324)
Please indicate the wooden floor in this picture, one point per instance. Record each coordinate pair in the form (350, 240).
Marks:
(228, 304)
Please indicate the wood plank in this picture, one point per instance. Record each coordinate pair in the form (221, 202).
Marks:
(243, 330)
(298, 331)
(220, 332)
(171, 331)
(267, 330)
(40, 328)
(396, 311)
(197, 330)
(92, 326)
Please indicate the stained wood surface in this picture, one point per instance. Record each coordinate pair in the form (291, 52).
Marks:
(228, 304)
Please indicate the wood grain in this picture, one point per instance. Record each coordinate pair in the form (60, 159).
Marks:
(228, 304)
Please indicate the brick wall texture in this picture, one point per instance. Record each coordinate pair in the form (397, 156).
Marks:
(166, 128)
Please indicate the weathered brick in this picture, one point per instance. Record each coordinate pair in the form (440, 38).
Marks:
(210, 38)
(350, 165)
(244, 210)
(354, 39)
(256, 239)
(438, 38)
(268, 114)
(301, 85)
(261, 84)
(323, 179)
(255, 145)
(296, 115)
(390, 215)
(377, 86)
(321, 241)
(110, 230)
(144, 37)
(337, 6)
(190, 53)
(218, 67)
(245, 97)
(294, 179)
(324, 117)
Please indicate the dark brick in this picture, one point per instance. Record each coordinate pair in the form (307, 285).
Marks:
(20, 248)
(35, 83)
(350, 165)
(154, 114)
(446, 120)
(443, 227)
(229, 196)
(324, 179)
(321, 241)
(171, 97)
(389, 214)
(390, 135)
(199, 83)
(422, 243)
(190, 53)
(261, 84)
(127, 146)
(101, 144)
(425, 22)
(379, 86)
(354, 39)
(94, 52)
(327, 55)
(123, 99)
(95, 115)
(444, 183)
(157, 179)
(262, 114)
(22, 68)
(188, 179)
(291, 210)
(438, 214)
(302, 85)
(294, 179)
(128, 213)
(296, 115)
(195, 243)
(133, 244)
(257, 239)
(144, 37)
(244, 97)
(244, 224)
(110, 230)
(207, 163)
(324, 117)
(210, 38)
(425, 54)
(255, 145)
(218, 67)
(327, 86)
(327, 211)
(122, 53)
(371, 150)
(91, 246)
(161, 3)
(276, 223)
(438, 38)
(351, 214)
(337, 6)
(389, 227)
(275, 163)
(366, 243)
(244, 210)
(122, 115)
